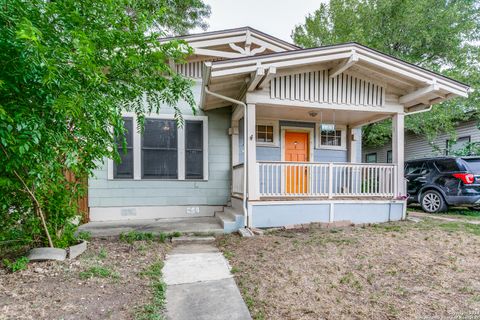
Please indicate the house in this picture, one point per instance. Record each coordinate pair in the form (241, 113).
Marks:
(277, 139)
(417, 146)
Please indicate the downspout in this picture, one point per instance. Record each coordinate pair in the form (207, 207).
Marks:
(419, 111)
(245, 137)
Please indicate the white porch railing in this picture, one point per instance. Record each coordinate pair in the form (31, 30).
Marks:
(237, 179)
(308, 179)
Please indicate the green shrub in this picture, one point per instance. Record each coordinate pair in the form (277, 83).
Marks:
(84, 235)
(17, 265)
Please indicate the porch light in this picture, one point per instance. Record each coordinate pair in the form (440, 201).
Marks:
(312, 114)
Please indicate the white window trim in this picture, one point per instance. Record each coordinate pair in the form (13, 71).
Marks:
(275, 125)
(343, 137)
(310, 131)
(137, 149)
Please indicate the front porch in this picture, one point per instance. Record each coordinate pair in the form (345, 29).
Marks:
(296, 131)
(318, 179)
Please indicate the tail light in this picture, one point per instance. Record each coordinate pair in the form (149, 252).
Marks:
(467, 178)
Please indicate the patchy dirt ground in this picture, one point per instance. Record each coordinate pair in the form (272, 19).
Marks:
(71, 290)
(402, 270)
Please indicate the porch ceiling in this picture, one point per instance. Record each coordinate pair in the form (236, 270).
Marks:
(352, 118)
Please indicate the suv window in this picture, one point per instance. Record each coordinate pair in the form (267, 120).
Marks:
(446, 165)
(416, 168)
(473, 164)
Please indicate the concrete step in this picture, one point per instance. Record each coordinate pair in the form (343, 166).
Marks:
(229, 219)
(192, 240)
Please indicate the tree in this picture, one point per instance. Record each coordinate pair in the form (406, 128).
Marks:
(68, 69)
(441, 35)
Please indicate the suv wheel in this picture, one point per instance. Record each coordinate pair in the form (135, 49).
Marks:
(432, 202)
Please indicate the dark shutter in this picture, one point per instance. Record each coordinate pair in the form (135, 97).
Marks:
(194, 150)
(124, 169)
(159, 149)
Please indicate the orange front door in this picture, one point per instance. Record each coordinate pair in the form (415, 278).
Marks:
(296, 150)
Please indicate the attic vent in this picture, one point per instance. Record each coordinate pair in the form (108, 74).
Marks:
(317, 86)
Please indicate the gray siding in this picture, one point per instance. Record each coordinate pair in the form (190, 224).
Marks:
(215, 191)
(418, 147)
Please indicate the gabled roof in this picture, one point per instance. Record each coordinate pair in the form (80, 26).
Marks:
(239, 34)
(412, 84)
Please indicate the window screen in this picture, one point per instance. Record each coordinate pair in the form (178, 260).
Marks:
(194, 150)
(124, 169)
(447, 165)
(159, 149)
(371, 158)
(331, 138)
(264, 133)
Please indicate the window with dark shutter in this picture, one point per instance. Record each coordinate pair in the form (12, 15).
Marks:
(194, 149)
(124, 169)
(160, 149)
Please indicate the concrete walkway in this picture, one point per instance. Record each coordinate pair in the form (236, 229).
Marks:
(200, 285)
(436, 217)
(184, 225)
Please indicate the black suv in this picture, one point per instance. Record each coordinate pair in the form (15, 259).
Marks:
(436, 183)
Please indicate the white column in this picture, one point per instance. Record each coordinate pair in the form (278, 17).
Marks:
(351, 145)
(251, 159)
(398, 129)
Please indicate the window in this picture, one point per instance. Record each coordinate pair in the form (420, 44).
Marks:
(446, 165)
(264, 133)
(160, 149)
(371, 158)
(267, 133)
(194, 149)
(331, 138)
(389, 156)
(455, 146)
(416, 168)
(124, 169)
(164, 151)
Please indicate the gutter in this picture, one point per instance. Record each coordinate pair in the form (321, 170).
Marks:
(245, 137)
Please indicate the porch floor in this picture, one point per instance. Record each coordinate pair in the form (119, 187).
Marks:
(184, 225)
(308, 198)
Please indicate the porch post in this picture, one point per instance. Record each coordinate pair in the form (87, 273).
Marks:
(251, 158)
(351, 147)
(397, 151)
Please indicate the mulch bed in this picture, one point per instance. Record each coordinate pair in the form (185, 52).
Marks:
(401, 270)
(56, 290)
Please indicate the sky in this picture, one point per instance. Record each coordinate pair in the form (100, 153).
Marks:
(274, 17)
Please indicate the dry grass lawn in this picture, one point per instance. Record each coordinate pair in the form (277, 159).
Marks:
(401, 270)
(108, 281)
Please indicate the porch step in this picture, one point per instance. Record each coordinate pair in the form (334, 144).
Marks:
(230, 219)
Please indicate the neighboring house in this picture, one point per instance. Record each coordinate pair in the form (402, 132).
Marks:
(277, 139)
(417, 146)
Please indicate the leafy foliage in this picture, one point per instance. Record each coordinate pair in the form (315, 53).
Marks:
(440, 35)
(68, 70)
(17, 265)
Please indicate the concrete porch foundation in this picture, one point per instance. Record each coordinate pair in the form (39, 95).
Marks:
(184, 225)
